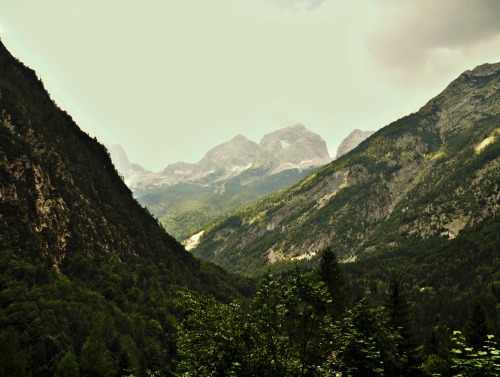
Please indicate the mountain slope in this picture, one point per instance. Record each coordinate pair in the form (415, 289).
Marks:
(85, 270)
(186, 198)
(429, 174)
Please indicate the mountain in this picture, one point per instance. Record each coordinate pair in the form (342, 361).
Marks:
(227, 160)
(429, 175)
(292, 147)
(120, 159)
(352, 141)
(188, 197)
(87, 273)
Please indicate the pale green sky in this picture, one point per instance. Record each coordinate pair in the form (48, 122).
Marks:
(170, 79)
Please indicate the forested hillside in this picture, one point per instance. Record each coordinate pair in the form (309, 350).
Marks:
(427, 176)
(86, 273)
(187, 208)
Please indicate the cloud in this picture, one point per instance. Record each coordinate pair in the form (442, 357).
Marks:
(418, 34)
(297, 4)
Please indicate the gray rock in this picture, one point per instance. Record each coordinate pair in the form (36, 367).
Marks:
(352, 141)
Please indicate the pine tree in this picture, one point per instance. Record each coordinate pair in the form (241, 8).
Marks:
(13, 360)
(401, 320)
(476, 327)
(330, 273)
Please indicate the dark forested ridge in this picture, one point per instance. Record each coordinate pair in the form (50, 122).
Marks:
(86, 273)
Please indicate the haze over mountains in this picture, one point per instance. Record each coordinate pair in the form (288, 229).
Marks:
(187, 197)
(428, 175)
(289, 148)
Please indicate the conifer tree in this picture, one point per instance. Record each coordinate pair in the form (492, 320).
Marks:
(476, 328)
(401, 320)
(13, 360)
(330, 273)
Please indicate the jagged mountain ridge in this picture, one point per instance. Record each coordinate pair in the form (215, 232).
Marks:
(292, 147)
(187, 197)
(428, 174)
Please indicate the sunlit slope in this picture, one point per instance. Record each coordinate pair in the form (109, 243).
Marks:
(429, 174)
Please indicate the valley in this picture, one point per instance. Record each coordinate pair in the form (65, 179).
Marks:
(186, 198)
(382, 262)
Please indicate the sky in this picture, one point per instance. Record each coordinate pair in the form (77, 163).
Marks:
(170, 79)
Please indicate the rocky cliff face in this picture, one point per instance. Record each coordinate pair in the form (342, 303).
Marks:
(429, 174)
(290, 148)
(352, 141)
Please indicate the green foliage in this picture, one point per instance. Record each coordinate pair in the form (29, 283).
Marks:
(471, 362)
(282, 333)
(13, 359)
(287, 331)
(291, 316)
(214, 338)
(68, 366)
(364, 344)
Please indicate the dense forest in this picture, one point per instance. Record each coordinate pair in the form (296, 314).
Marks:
(307, 324)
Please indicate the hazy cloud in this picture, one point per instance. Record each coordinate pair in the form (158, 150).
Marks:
(427, 32)
(297, 4)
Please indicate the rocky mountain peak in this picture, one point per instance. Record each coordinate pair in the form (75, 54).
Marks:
(120, 158)
(352, 141)
(122, 163)
(235, 154)
(291, 147)
(239, 138)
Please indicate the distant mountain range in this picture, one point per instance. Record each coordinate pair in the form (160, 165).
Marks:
(187, 197)
(429, 175)
(289, 148)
